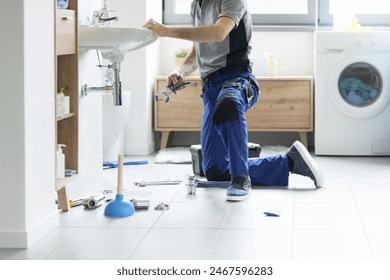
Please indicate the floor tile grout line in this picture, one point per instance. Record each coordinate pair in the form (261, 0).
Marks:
(293, 228)
(146, 234)
(219, 232)
(63, 241)
(361, 220)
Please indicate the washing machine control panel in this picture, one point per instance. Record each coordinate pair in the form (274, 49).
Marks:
(372, 43)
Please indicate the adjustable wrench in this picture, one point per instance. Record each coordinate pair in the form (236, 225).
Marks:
(156, 183)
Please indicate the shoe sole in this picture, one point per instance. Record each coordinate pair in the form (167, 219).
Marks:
(317, 172)
(237, 197)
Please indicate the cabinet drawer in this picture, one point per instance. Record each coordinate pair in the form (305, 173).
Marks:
(282, 105)
(65, 32)
(184, 110)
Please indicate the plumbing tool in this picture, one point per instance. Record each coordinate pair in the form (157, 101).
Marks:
(162, 206)
(191, 185)
(93, 202)
(119, 207)
(156, 183)
(140, 204)
(80, 201)
(168, 90)
(114, 164)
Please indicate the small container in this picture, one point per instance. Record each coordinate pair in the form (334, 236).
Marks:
(272, 66)
(60, 162)
(191, 184)
(66, 105)
(62, 4)
(263, 64)
(60, 102)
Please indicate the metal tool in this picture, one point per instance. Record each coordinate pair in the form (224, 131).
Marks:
(162, 206)
(156, 183)
(140, 204)
(93, 202)
(80, 201)
(168, 90)
(191, 183)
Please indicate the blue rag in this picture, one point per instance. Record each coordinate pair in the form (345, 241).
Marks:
(114, 164)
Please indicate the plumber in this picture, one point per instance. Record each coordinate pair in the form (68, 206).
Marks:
(221, 36)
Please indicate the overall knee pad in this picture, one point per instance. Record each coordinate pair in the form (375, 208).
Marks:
(225, 109)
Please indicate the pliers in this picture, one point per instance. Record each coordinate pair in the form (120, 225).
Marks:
(168, 90)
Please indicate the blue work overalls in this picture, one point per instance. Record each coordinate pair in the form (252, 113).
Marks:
(224, 138)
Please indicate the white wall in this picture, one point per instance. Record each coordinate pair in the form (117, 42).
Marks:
(27, 122)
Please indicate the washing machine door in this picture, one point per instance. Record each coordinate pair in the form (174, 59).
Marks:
(358, 87)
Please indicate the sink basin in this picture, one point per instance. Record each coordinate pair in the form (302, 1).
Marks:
(114, 42)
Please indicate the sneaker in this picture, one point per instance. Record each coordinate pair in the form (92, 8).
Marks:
(239, 189)
(304, 164)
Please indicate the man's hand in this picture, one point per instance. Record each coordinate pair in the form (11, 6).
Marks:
(158, 28)
(175, 79)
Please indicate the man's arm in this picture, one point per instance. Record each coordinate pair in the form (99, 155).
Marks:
(216, 32)
(189, 65)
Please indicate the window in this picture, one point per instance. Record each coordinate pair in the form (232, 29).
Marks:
(294, 12)
(372, 12)
(290, 12)
(283, 12)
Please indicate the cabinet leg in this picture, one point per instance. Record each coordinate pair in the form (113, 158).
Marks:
(164, 139)
(63, 201)
(303, 138)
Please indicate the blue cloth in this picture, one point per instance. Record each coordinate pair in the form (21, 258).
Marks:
(225, 145)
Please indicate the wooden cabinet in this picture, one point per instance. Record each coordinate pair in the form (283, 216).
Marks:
(285, 104)
(66, 67)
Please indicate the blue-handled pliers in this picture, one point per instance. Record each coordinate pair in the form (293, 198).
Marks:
(168, 90)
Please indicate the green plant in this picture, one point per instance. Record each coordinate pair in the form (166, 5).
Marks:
(182, 53)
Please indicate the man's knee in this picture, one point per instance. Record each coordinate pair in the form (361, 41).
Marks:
(226, 109)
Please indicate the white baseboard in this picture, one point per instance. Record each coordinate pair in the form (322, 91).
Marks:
(23, 239)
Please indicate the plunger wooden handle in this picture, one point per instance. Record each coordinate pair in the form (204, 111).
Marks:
(120, 174)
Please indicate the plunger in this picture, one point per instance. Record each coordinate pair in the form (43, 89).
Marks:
(119, 207)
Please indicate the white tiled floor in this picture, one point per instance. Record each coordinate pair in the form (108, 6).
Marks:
(347, 219)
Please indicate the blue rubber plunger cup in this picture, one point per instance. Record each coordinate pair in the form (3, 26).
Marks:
(119, 207)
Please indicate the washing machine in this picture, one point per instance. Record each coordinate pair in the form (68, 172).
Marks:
(352, 92)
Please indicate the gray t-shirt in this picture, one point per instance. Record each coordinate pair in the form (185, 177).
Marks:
(236, 48)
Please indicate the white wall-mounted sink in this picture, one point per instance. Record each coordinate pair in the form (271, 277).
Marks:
(114, 42)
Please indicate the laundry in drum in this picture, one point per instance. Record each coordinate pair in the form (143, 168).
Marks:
(356, 92)
(168, 90)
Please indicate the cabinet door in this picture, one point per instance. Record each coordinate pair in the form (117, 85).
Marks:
(183, 111)
(282, 105)
(65, 32)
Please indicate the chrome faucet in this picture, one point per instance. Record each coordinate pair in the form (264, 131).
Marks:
(103, 16)
(100, 18)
